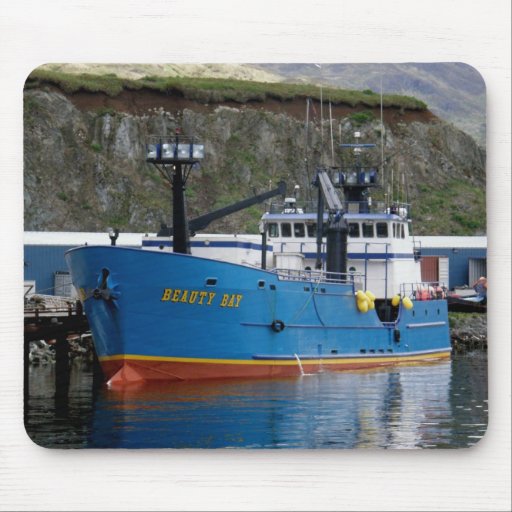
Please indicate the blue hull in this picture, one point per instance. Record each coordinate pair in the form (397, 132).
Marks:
(157, 315)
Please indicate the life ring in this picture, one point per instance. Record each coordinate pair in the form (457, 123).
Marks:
(277, 325)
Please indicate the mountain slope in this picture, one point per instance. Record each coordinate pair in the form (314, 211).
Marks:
(453, 91)
(84, 166)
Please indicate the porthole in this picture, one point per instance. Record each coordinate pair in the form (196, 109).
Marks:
(211, 281)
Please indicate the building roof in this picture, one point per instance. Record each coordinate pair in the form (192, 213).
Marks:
(450, 242)
(80, 238)
(75, 238)
(135, 239)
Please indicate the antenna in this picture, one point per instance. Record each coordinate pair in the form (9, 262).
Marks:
(332, 138)
(321, 118)
(306, 148)
(321, 111)
(382, 135)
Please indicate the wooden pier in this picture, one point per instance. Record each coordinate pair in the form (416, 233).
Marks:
(58, 325)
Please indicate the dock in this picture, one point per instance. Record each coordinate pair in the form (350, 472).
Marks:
(56, 326)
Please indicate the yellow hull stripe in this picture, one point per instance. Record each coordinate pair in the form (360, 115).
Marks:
(278, 362)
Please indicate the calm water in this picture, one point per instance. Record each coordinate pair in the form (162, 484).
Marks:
(433, 406)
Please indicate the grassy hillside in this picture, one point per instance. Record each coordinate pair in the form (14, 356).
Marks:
(216, 90)
(454, 91)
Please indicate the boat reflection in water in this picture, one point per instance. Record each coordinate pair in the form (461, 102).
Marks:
(402, 407)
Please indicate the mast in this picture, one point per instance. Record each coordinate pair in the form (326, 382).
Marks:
(332, 136)
(175, 157)
(306, 148)
(356, 181)
(336, 230)
(382, 139)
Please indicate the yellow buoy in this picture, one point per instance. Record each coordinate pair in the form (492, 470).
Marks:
(395, 300)
(370, 295)
(407, 303)
(362, 305)
(371, 304)
(361, 296)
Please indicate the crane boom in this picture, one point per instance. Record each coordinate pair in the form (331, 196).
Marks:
(203, 221)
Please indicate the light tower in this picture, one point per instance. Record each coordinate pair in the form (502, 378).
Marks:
(175, 157)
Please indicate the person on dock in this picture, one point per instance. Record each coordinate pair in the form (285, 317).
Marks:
(480, 287)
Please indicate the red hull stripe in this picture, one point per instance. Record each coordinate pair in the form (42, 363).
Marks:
(134, 368)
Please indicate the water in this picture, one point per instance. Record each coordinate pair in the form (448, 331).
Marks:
(441, 405)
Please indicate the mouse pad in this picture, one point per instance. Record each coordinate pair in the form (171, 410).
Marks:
(255, 256)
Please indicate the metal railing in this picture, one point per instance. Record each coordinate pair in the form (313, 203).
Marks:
(358, 207)
(424, 290)
(318, 276)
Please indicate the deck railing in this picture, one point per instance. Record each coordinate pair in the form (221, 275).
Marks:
(424, 290)
(319, 276)
(401, 209)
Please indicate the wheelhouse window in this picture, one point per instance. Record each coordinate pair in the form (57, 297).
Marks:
(382, 229)
(311, 228)
(353, 229)
(298, 230)
(367, 229)
(286, 229)
(403, 230)
(273, 229)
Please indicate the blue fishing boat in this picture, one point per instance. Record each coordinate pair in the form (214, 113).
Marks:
(169, 314)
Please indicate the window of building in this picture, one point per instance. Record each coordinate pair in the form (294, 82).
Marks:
(273, 229)
(382, 229)
(286, 229)
(353, 229)
(298, 230)
(367, 229)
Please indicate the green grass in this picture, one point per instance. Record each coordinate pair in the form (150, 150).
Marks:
(216, 90)
(360, 118)
(464, 214)
(455, 319)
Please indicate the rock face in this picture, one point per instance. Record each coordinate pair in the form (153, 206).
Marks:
(84, 166)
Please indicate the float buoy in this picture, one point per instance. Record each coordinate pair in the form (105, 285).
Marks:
(395, 300)
(362, 305)
(370, 295)
(361, 296)
(407, 303)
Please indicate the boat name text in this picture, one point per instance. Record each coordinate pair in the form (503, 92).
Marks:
(202, 298)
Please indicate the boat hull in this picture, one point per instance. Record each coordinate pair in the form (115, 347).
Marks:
(168, 316)
(133, 369)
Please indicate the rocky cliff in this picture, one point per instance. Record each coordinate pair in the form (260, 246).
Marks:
(84, 167)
